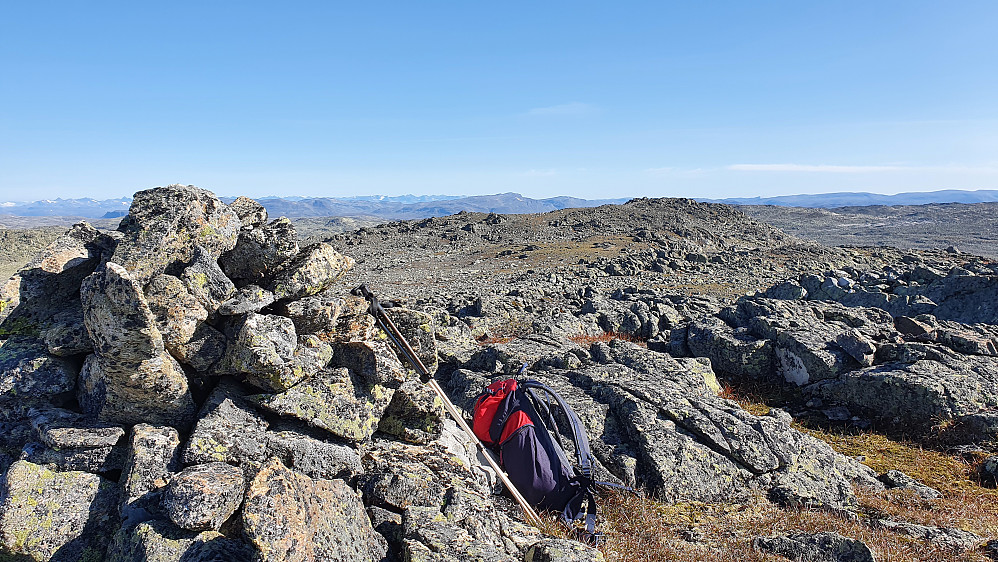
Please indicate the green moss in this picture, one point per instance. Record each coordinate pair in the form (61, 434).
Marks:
(207, 231)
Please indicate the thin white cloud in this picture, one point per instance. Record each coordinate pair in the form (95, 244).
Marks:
(574, 108)
(826, 168)
(674, 171)
(540, 173)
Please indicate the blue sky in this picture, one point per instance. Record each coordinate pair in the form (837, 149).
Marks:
(608, 99)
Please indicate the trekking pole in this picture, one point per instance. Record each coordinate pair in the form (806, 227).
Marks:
(386, 324)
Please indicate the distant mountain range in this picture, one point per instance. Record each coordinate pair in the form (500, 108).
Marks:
(845, 199)
(382, 207)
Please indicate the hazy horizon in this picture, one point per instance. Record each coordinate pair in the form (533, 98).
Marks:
(717, 100)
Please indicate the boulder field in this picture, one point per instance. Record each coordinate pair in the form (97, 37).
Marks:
(198, 385)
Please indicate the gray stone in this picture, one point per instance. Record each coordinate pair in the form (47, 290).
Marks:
(418, 329)
(228, 429)
(202, 497)
(898, 479)
(989, 470)
(819, 547)
(131, 378)
(415, 414)
(160, 541)
(562, 550)
(857, 346)
(250, 298)
(291, 517)
(311, 271)
(251, 214)
(948, 538)
(60, 516)
(263, 347)
(165, 225)
(50, 281)
(206, 281)
(374, 362)
(153, 391)
(314, 315)
(730, 351)
(153, 455)
(89, 459)
(180, 318)
(26, 369)
(67, 335)
(335, 400)
(260, 252)
(312, 455)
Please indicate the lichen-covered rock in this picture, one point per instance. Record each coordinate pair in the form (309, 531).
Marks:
(165, 224)
(948, 538)
(42, 288)
(562, 550)
(431, 537)
(291, 517)
(60, 516)
(418, 328)
(314, 315)
(69, 441)
(153, 454)
(415, 414)
(917, 394)
(153, 391)
(260, 252)
(535, 350)
(180, 318)
(206, 281)
(117, 316)
(228, 429)
(251, 214)
(263, 347)
(353, 322)
(67, 335)
(131, 378)
(311, 271)
(898, 479)
(26, 369)
(160, 541)
(335, 400)
(299, 447)
(819, 547)
(250, 298)
(729, 350)
(374, 362)
(202, 497)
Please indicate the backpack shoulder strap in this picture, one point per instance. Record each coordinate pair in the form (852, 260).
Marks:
(584, 453)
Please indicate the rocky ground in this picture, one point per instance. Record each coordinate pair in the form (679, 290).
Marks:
(200, 385)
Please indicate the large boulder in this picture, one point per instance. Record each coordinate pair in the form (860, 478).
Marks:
(165, 225)
(202, 497)
(153, 455)
(291, 517)
(160, 541)
(228, 429)
(260, 252)
(335, 400)
(51, 281)
(312, 270)
(60, 516)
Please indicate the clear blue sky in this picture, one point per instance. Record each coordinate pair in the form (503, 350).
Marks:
(608, 99)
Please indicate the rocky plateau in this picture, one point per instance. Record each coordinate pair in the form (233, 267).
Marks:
(199, 384)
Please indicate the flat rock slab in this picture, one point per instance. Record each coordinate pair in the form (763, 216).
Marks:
(229, 429)
(820, 547)
(334, 400)
(61, 516)
(26, 368)
(291, 517)
(160, 541)
(153, 454)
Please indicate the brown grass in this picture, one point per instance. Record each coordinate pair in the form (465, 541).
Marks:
(586, 340)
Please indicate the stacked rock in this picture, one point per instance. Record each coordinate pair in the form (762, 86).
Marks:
(184, 386)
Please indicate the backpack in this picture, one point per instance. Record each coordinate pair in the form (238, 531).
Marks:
(517, 419)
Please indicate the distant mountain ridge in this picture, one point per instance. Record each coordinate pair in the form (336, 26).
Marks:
(382, 207)
(847, 199)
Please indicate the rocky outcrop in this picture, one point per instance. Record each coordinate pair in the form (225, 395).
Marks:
(819, 547)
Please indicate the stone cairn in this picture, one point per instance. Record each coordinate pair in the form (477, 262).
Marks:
(182, 389)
